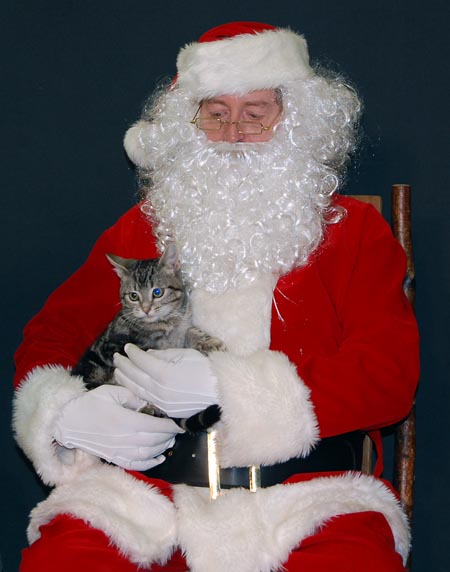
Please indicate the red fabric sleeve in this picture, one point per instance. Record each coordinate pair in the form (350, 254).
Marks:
(77, 312)
(353, 335)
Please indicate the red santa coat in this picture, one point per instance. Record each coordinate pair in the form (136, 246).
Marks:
(326, 349)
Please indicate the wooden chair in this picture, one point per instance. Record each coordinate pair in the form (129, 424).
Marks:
(405, 432)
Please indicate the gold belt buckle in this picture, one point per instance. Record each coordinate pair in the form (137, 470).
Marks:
(254, 471)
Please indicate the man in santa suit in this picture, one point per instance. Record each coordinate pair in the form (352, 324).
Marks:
(240, 159)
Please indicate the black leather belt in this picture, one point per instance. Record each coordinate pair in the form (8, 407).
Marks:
(187, 462)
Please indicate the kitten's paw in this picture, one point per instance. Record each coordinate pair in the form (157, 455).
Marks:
(150, 409)
(202, 342)
(209, 344)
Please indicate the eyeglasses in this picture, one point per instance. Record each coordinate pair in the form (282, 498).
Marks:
(243, 127)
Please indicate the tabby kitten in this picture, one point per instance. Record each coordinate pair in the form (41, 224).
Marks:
(155, 314)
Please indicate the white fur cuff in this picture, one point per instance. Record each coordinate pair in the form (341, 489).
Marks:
(267, 414)
(37, 403)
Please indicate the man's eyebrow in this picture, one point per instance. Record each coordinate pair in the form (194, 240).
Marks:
(216, 100)
(257, 103)
(261, 103)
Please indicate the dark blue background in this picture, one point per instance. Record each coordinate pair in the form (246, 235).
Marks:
(74, 77)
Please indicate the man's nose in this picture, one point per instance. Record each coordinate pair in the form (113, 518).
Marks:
(230, 133)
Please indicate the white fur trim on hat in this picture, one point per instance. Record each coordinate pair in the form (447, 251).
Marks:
(136, 517)
(267, 413)
(255, 532)
(243, 63)
(136, 141)
(37, 403)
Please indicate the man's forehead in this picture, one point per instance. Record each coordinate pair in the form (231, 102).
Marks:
(258, 98)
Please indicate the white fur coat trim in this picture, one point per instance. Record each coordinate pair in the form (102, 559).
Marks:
(272, 58)
(240, 317)
(255, 532)
(37, 403)
(136, 517)
(253, 390)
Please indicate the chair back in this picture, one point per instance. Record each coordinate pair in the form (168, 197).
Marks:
(405, 446)
(405, 432)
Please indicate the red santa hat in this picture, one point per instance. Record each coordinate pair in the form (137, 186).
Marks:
(240, 57)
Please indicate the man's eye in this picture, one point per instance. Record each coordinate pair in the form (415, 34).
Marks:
(133, 296)
(255, 117)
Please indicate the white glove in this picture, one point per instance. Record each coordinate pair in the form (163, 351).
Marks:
(178, 381)
(104, 422)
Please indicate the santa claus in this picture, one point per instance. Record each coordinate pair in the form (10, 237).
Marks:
(239, 159)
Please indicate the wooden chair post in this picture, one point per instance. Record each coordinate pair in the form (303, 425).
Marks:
(405, 432)
(405, 446)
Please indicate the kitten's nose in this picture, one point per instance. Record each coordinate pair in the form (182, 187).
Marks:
(146, 308)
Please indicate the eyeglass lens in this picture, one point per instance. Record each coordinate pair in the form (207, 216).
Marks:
(244, 127)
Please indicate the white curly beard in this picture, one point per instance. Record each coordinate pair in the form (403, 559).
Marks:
(240, 210)
(235, 211)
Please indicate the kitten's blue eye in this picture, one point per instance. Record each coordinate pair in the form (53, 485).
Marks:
(133, 296)
(157, 292)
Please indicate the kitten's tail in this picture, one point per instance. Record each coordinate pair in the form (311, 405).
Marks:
(200, 421)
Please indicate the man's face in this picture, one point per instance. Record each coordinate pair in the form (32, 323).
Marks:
(258, 106)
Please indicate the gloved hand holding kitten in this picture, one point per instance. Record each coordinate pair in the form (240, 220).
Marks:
(106, 422)
(178, 381)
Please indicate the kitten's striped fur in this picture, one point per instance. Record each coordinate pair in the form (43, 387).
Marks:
(155, 314)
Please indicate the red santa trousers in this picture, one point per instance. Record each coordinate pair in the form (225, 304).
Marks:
(348, 543)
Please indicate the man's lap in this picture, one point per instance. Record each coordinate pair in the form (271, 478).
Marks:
(349, 543)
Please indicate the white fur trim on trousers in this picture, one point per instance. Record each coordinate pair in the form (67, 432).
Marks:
(136, 517)
(243, 531)
(255, 532)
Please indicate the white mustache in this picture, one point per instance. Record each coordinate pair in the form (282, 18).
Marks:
(234, 148)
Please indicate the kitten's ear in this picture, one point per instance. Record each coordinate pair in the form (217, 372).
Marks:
(170, 258)
(122, 266)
